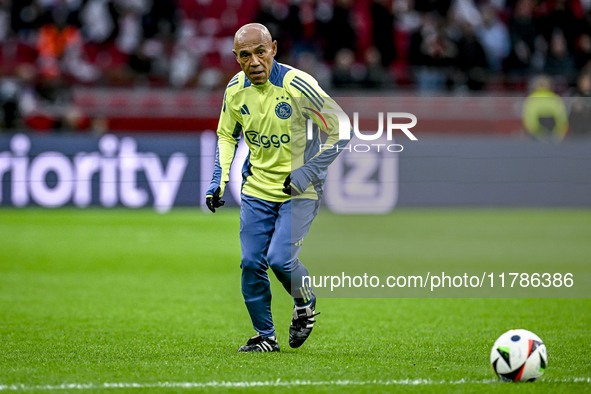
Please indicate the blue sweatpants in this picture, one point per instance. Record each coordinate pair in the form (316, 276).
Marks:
(271, 235)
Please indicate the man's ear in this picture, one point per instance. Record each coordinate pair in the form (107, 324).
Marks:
(274, 48)
(235, 54)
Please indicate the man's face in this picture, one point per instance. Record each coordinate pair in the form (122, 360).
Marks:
(255, 55)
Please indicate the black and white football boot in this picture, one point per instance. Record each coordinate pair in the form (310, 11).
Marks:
(260, 344)
(302, 324)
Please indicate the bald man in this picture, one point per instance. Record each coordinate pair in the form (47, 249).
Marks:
(283, 177)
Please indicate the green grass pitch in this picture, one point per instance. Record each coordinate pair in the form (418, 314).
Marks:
(152, 303)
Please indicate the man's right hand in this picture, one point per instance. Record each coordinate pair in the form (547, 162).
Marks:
(214, 201)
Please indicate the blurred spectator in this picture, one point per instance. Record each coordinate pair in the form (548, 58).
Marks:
(564, 15)
(580, 109)
(583, 53)
(427, 6)
(24, 15)
(544, 114)
(9, 91)
(376, 75)
(310, 63)
(273, 14)
(284, 22)
(292, 27)
(98, 19)
(160, 20)
(465, 12)
(494, 37)
(472, 59)
(407, 18)
(431, 53)
(339, 31)
(383, 30)
(559, 61)
(185, 56)
(54, 40)
(130, 32)
(523, 34)
(342, 71)
(140, 61)
(60, 49)
(4, 20)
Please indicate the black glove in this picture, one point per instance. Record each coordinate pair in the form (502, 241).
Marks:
(288, 189)
(214, 201)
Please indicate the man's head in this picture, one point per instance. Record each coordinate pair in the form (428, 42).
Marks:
(255, 49)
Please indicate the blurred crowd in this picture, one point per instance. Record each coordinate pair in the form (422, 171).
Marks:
(46, 46)
(436, 44)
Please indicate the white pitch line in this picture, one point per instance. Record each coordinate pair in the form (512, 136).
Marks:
(268, 383)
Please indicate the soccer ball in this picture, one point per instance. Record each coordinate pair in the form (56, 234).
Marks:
(519, 356)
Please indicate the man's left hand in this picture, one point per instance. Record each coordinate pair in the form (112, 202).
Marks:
(290, 189)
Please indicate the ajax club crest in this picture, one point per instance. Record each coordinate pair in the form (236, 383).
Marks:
(283, 110)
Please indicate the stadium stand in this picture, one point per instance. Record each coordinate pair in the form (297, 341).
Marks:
(161, 64)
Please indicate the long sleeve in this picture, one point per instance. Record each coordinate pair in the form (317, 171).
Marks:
(313, 169)
(228, 132)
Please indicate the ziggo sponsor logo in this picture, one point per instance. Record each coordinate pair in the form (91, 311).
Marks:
(275, 140)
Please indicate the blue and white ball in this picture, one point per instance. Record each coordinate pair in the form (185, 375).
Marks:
(519, 356)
